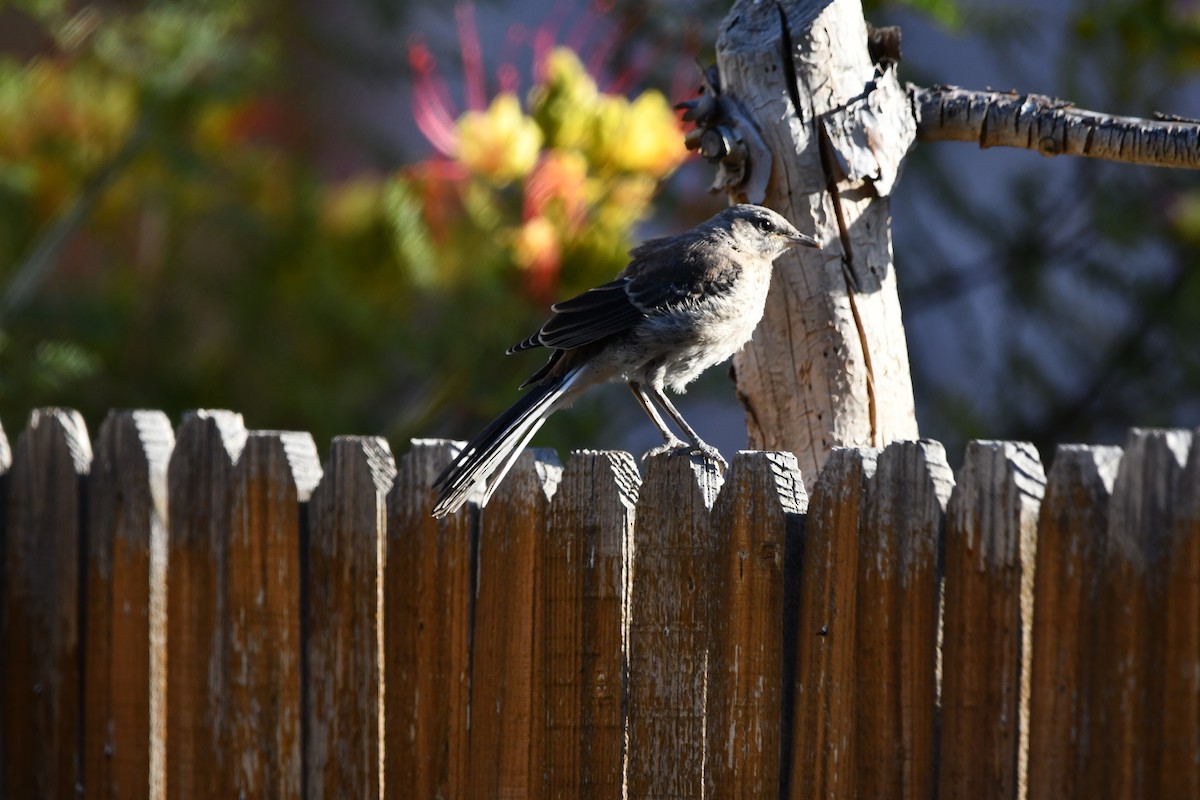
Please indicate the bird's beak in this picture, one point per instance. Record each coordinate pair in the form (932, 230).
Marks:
(802, 240)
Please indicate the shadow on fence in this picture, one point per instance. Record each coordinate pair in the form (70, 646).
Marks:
(290, 631)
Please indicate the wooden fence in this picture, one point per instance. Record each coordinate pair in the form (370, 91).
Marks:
(288, 630)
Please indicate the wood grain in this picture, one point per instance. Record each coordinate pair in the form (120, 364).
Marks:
(669, 629)
(428, 586)
(507, 714)
(897, 609)
(344, 683)
(199, 478)
(274, 476)
(125, 612)
(43, 714)
(585, 595)
(823, 757)
(1072, 527)
(1126, 720)
(760, 509)
(991, 524)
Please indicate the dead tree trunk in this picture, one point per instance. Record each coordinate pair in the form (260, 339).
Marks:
(820, 130)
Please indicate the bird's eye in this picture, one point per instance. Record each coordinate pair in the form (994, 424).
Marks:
(765, 225)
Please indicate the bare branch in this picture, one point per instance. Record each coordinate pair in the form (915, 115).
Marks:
(1052, 127)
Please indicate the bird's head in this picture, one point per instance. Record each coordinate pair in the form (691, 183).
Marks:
(762, 230)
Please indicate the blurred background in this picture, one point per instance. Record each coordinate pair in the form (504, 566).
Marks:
(335, 216)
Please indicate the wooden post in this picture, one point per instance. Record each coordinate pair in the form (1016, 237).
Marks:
(275, 474)
(125, 614)
(586, 584)
(898, 605)
(428, 583)
(198, 482)
(986, 654)
(828, 365)
(1179, 768)
(1125, 731)
(43, 720)
(1072, 527)
(668, 629)
(822, 757)
(506, 702)
(344, 681)
(759, 510)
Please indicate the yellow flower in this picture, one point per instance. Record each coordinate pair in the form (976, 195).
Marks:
(535, 245)
(501, 143)
(642, 136)
(565, 103)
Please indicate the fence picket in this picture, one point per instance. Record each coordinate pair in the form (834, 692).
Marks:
(275, 474)
(1129, 609)
(506, 744)
(1072, 527)
(199, 476)
(584, 598)
(428, 583)
(757, 515)
(125, 612)
(344, 681)
(668, 628)
(897, 621)
(991, 524)
(43, 717)
(822, 757)
(1179, 769)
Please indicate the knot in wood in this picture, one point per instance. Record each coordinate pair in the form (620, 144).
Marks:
(1049, 146)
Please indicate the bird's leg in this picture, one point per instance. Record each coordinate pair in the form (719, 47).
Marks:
(671, 442)
(699, 446)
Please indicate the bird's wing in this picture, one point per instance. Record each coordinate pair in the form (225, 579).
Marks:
(663, 274)
(594, 315)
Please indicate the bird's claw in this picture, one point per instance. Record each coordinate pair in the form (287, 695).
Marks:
(676, 448)
(671, 446)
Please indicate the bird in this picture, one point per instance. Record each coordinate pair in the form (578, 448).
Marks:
(684, 303)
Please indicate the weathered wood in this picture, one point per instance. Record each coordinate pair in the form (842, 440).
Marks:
(199, 476)
(828, 365)
(759, 510)
(125, 612)
(43, 715)
(1072, 527)
(586, 585)
(1178, 769)
(428, 584)
(1125, 730)
(344, 680)
(897, 616)
(668, 629)
(822, 757)
(275, 474)
(1052, 127)
(507, 716)
(991, 525)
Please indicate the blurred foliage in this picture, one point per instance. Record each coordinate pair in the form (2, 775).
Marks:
(165, 241)
(172, 235)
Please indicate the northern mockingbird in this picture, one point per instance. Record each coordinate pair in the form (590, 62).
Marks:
(683, 304)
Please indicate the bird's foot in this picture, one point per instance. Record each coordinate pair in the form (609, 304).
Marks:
(676, 447)
(672, 446)
(706, 450)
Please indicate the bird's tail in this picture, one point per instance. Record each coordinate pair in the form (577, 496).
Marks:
(490, 455)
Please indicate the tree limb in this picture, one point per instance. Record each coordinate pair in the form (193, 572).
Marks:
(1052, 127)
